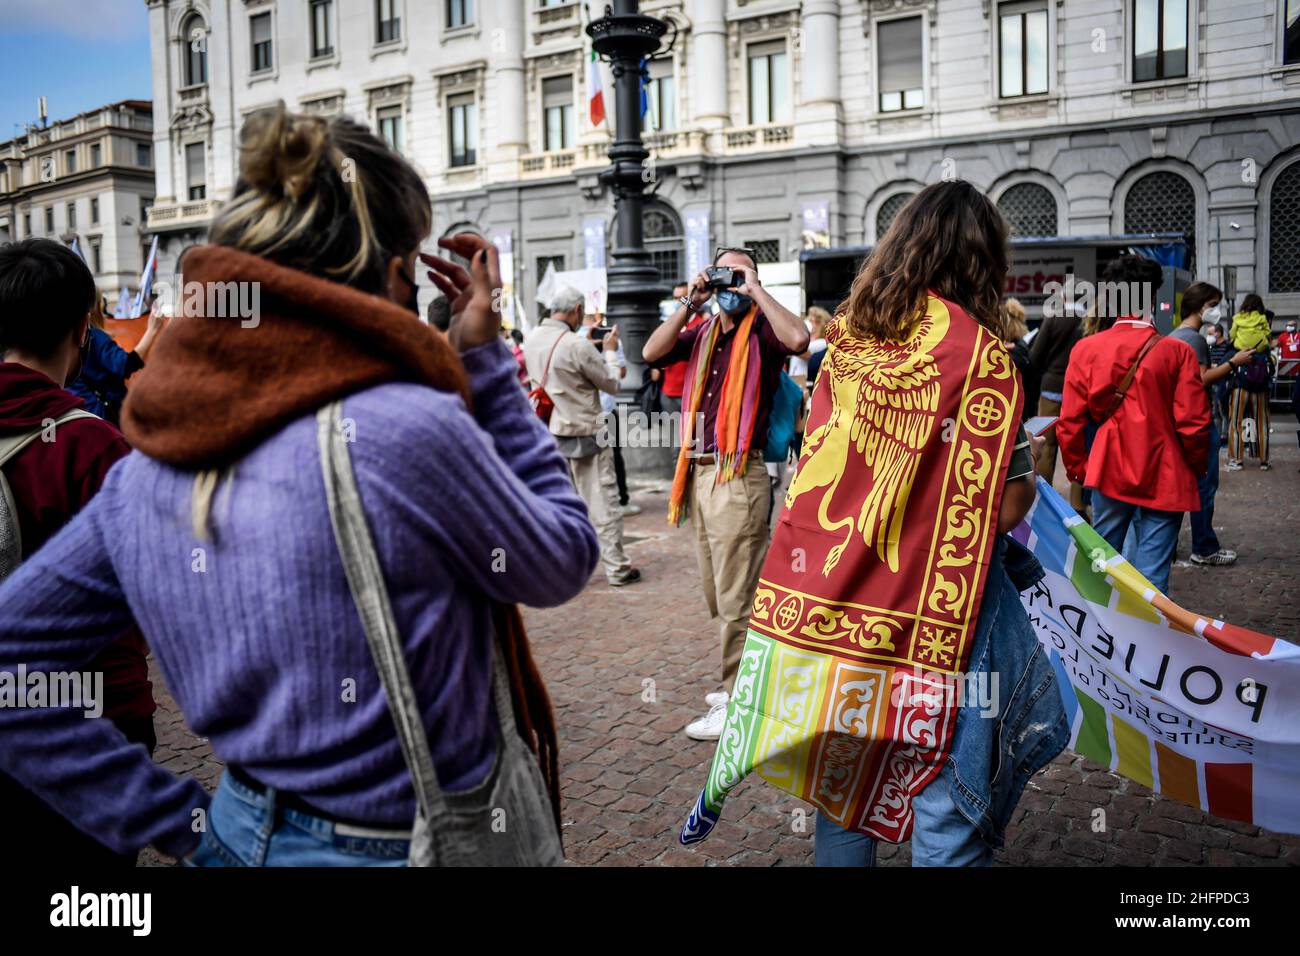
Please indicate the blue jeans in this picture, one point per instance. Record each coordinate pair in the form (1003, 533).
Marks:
(961, 815)
(941, 835)
(1204, 540)
(246, 828)
(1155, 535)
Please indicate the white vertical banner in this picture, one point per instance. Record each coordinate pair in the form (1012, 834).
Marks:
(698, 254)
(504, 240)
(593, 242)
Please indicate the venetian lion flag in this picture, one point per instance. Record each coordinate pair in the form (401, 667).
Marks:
(594, 92)
(1192, 707)
(869, 597)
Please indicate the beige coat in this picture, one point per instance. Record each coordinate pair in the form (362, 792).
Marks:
(579, 373)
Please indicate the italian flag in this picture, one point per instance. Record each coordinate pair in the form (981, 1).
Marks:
(597, 97)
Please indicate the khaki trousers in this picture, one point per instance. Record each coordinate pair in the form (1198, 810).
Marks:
(731, 536)
(594, 479)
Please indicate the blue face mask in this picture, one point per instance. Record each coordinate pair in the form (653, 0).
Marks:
(730, 301)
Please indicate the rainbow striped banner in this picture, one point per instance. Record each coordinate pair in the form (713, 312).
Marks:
(1191, 707)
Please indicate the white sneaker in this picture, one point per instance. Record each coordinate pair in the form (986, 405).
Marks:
(630, 509)
(716, 698)
(708, 727)
(1222, 556)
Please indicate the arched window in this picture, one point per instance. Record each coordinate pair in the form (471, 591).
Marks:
(1163, 202)
(1284, 231)
(194, 34)
(664, 241)
(888, 210)
(1030, 208)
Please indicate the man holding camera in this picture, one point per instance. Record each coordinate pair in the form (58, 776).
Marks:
(734, 369)
(563, 362)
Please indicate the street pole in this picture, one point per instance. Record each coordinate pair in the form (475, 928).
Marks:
(624, 38)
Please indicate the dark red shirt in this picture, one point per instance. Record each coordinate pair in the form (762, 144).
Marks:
(51, 482)
(674, 375)
(772, 354)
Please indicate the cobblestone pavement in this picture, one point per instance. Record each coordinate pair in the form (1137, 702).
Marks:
(628, 668)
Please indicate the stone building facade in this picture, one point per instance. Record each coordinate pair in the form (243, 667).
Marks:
(773, 122)
(88, 178)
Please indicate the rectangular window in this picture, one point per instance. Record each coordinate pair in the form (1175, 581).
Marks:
(72, 216)
(769, 83)
(661, 97)
(196, 171)
(390, 126)
(49, 220)
(557, 112)
(96, 155)
(259, 28)
(765, 250)
(546, 262)
(460, 13)
(70, 161)
(94, 212)
(322, 28)
(27, 225)
(1291, 33)
(1022, 44)
(196, 54)
(388, 25)
(462, 115)
(143, 154)
(1159, 39)
(96, 261)
(899, 53)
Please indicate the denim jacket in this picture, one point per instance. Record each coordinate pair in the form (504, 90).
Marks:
(992, 759)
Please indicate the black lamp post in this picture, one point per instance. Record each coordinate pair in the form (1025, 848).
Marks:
(625, 38)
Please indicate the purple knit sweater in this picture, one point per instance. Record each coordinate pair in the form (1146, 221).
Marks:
(257, 634)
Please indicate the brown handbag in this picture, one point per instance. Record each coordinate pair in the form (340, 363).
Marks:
(541, 402)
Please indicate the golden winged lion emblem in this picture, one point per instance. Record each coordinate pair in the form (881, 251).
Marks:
(884, 406)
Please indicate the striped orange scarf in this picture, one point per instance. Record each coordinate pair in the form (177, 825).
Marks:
(737, 410)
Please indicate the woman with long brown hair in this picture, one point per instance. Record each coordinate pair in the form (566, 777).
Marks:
(330, 514)
(914, 466)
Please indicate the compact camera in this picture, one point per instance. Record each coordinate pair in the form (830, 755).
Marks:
(720, 277)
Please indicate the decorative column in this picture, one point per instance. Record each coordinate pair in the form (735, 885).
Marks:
(708, 64)
(818, 111)
(511, 117)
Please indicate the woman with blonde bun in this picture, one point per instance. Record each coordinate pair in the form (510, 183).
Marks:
(315, 480)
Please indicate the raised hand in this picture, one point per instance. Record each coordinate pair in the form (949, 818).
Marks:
(474, 296)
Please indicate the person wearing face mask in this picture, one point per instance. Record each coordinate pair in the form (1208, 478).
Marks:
(1201, 304)
(1288, 365)
(338, 476)
(46, 296)
(721, 483)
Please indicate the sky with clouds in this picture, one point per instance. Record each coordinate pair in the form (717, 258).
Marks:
(78, 54)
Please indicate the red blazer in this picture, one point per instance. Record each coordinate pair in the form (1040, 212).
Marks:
(1154, 447)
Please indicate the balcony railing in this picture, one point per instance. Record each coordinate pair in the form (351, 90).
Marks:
(556, 14)
(555, 163)
(181, 215)
(744, 138)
